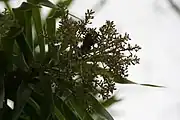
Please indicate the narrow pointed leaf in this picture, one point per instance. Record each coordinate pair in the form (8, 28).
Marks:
(47, 3)
(27, 6)
(58, 114)
(110, 101)
(25, 48)
(150, 85)
(28, 28)
(53, 11)
(35, 105)
(47, 105)
(100, 110)
(65, 109)
(38, 27)
(23, 94)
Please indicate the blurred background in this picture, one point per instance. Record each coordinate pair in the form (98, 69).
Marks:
(155, 26)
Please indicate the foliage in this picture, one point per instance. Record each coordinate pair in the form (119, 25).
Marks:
(63, 82)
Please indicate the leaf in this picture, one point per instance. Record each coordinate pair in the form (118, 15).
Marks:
(22, 11)
(38, 27)
(30, 112)
(100, 110)
(19, 62)
(23, 94)
(28, 29)
(58, 114)
(3, 62)
(34, 105)
(25, 48)
(67, 2)
(65, 110)
(75, 105)
(78, 108)
(126, 81)
(2, 90)
(8, 6)
(8, 44)
(150, 85)
(110, 101)
(8, 40)
(25, 6)
(47, 105)
(121, 80)
(51, 26)
(47, 3)
(56, 13)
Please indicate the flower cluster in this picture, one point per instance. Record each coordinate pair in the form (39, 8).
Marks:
(96, 68)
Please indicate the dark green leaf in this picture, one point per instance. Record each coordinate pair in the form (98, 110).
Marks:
(23, 94)
(121, 80)
(65, 110)
(110, 101)
(67, 2)
(2, 90)
(51, 27)
(58, 114)
(100, 110)
(47, 3)
(19, 62)
(77, 106)
(30, 112)
(35, 105)
(8, 40)
(28, 29)
(38, 27)
(150, 85)
(47, 106)
(25, 48)
(56, 13)
(27, 6)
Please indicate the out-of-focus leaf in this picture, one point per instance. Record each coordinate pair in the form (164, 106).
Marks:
(100, 110)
